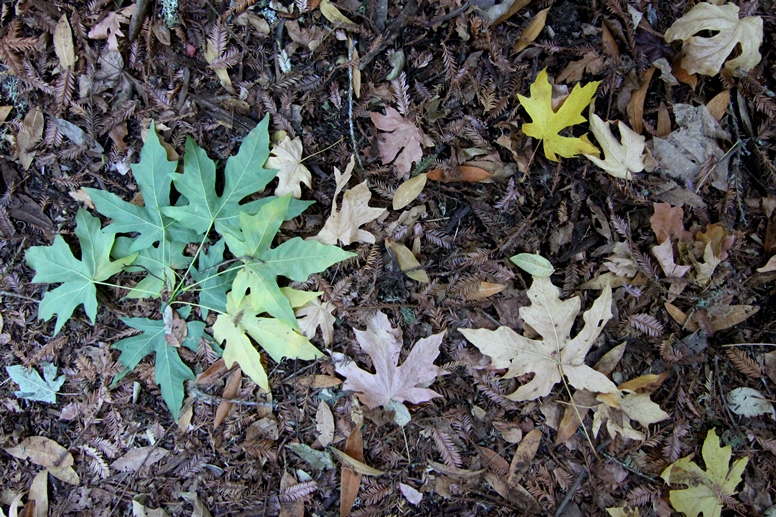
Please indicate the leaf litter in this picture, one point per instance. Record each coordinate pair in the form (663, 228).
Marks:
(675, 216)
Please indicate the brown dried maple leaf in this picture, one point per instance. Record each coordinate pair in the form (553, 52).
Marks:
(391, 384)
(402, 140)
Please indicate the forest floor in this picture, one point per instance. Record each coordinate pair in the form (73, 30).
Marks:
(661, 250)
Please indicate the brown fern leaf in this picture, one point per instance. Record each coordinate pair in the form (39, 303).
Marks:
(446, 448)
(298, 492)
(647, 324)
(401, 93)
(63, 89)
(11, 44)
(744, 363)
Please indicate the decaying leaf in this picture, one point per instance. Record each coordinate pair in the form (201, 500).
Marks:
(316, 314)
(391, 384)
(407, 261)
(632, 406)
(707, 55)
(547, 123)
(706, 488)
(286, 157)
(749, 402)
(343, 225)
(109, 28)
(621, 158)
(48, 454)
(401, 139)
(557, 354)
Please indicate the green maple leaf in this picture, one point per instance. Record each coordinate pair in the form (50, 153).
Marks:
(153, 174)
(56, 263)
(275, 336)
(31, 384)
(707, 489)
(170, 371)
(295, 259)
(546, 123)
(244, 175)
(158, 261)
(213, 285)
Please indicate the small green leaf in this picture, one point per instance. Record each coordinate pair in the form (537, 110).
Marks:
(56, 263)
(32, 386)
(533, 264)
(170, 371)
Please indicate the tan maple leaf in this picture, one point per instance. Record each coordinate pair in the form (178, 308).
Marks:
(401, 140)
(109, 28)
(391, 384)
(343, 225)
(557, 354)
(286, 157)
(621, 158)
(315, 314)
(633, 406)
(706, 55)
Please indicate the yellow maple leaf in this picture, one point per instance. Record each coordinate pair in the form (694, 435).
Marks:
(546, 124)
(706, 487)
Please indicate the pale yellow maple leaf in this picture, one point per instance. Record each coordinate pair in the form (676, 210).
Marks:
(286, 157)
(706, 55)
(401, 140)
(276, 337)
(557, 354)
(707, 488)
(622, 158)
(315, 314)
(546, 124)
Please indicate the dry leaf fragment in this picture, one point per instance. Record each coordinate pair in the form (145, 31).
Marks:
(63, 43)
(401, 140)
(413, 496)
(39, 493)
(139, 509)
(632, 406)
(334, 15)
(590, 63)
(286, 157)
(28, 137)
(707, 55)
(351, 480)
(557, 354)
(547, 123)
(407, 261)
(343, 225)
(200, 510)
(749, 402)
(324, 424)
(48, 454)
(139, 457)
(408, 191)
(231, 390)
(621, 158)
(109, 28)
(391, 384)
(533, 30)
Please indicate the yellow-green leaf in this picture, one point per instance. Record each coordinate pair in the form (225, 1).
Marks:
(706, 488)
(407, 261)
(409, 191)
(546, 123)
(276, 337)
(333, 14)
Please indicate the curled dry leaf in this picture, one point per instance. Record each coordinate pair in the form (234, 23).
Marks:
(707, 55)
(621, 158)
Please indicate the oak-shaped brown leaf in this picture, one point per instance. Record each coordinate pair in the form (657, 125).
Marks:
(391, 384)
(555, 356)
(401, 140)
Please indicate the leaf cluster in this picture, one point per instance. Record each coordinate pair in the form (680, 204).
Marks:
(150, 238)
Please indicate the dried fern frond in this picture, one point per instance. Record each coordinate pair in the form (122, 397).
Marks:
(647, 324)
(401, 94)
(446, 447)
(744, 363)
